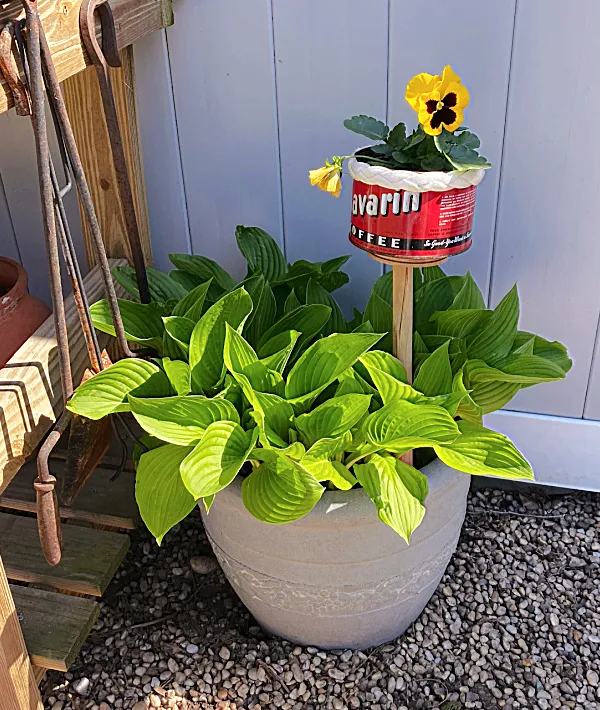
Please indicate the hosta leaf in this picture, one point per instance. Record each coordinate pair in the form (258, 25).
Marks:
(308, 320)
(125, 277)
(332, 265)
(435, 374)
(435, 295)
(367, 126)
(460, 323)
(208, 337)
(491, 396)
(280, 491)
(162, 498)
(400, 426)
(318, 460)
(333, 280)
(162, 288)
(392, 389)
(204, 268)
(142, 322)
(467, 409)
(553, 351)
(325, 361)
(432, 273)
(190, 282)
(181, 420)
(383, 286)
(333, 418)
(379, 313)
(237, 352)
(518, 369)
(261, 252)
(217, 459)
(107, 392)
(385, 362)
(481, 451)
(278, 360)
(291, 302)
(397, 490)
(469, 296)
(179, 375)
(180, 329)
(192, 304)
(315, 293)
(264, 308)
(495, 340)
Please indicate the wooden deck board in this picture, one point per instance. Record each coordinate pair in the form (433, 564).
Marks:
(54, 626)
(89, 561)
(100, 502)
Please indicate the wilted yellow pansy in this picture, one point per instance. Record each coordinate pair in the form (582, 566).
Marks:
(328, 177)
(441, 103)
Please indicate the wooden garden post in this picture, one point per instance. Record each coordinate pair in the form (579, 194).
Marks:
(18, 685)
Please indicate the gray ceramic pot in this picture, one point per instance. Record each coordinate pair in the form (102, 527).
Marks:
(339, 577)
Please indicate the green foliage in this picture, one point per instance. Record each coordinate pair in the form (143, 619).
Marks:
(297, 405)
(417, 151)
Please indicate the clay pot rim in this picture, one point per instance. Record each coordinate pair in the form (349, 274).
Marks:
(19, 287)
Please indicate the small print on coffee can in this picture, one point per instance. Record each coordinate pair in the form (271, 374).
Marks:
(412, 225)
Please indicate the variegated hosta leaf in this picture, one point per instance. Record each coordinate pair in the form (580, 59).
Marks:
(481, 451)
(333, 417)
(162, 498)
(401, 426)
(181, 420)
(107, 392)
(217, 459)
(397, 490)
(280, 490)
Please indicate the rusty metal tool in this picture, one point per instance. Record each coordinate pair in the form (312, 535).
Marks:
(102, 58)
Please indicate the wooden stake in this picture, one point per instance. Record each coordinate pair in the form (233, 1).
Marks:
(402, 304)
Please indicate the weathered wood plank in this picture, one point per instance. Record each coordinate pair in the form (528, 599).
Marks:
(84, 103)
(54, 626)
(18, 685)
(100, 502)
(133, 19)
(89, 561)
(30, 393)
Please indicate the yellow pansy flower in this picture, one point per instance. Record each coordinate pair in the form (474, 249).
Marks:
(328, 177)
(442, 105)
(420, 84)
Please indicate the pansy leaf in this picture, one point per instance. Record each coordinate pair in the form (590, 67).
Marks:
(162, 498)
(367, 126)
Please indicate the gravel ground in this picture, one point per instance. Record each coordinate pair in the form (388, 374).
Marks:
(515, 623)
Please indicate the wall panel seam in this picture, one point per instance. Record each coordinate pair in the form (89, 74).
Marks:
(492, 256)
(4, 200)
(593, 365)
(188, 231)
(276, 126)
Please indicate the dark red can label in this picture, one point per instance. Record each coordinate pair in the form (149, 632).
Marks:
(412, 224)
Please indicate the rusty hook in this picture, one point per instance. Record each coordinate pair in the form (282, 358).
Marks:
(109, 53)
(9, 70)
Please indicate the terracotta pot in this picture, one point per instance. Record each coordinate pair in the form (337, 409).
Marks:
(20, 313)
(339, 577)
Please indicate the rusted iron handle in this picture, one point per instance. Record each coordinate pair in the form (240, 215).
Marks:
(48, 515)
(8, 69)
(108, 55)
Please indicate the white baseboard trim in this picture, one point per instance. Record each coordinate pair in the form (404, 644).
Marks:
(563, 452)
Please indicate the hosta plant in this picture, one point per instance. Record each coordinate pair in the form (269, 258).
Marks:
(339, 417)
(281, 293)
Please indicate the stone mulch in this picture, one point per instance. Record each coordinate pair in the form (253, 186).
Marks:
(515, 623)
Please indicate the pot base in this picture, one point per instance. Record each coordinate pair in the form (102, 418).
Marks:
(339, 577)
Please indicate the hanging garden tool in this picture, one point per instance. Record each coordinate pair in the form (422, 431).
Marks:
(413, 197)
(87, 440)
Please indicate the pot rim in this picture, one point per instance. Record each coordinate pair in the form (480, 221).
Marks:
(18, 288)
(411, 180)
